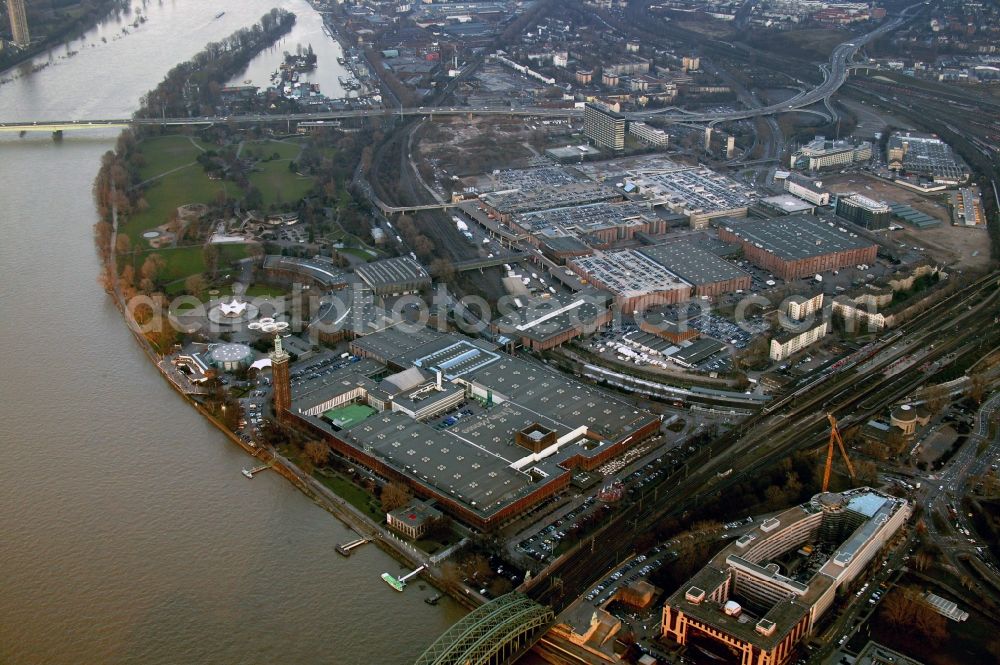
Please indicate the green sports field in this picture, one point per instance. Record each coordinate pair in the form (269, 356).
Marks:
(348, 416)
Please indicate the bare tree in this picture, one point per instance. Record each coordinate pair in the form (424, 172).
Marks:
(318, 452)
(395, 495)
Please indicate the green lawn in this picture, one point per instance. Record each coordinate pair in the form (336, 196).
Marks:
(351, 493)
(277, 184)
(163, 153)
(256, 290)
(269, 147)
(185, 261)
(189, 185)
(360, 252)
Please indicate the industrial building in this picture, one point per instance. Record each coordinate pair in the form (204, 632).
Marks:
(745, 605)
(797, 245)
(547, 322)
(807, 190)
(865, 212)
(636, 281)
(604, 127)
(395, 277)
(786, 204)
(604, 223)
(706, 272)
(822, 153)
(517, 432)
(924, 155)
(698, 193)
(789, 342)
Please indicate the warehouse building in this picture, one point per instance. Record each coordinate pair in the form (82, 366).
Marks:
(698, 193)
(604, 223)
(745, 605)
(865, 212)
(547, 322)
(394, 277)
(504, 204)
(636, 281)
(706, 272)
(517, 433)
(798, 245)
(924, 155)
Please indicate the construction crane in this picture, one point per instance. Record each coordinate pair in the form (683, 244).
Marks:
(834, 436)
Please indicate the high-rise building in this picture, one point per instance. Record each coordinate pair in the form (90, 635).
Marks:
(863, 211)
(604, 127)
(18, 22)
(282, 383)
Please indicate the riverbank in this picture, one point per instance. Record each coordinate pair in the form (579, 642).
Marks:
(68, 31)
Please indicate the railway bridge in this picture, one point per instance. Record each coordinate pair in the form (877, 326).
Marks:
(494, 633)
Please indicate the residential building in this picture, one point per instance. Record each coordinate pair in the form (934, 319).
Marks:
(648, 134)
(604, 127)
(789, 342)
(799, 307)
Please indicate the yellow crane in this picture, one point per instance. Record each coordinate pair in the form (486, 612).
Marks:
(834, 436)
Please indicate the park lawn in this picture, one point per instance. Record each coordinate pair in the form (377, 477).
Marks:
(183, 262)
(352, 494)
(360, 252)
(255, 291)
(189, 185)
(279, 185)
(269, 147)
(163, 153)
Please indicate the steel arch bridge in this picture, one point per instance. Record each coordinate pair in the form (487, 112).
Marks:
(491, 634)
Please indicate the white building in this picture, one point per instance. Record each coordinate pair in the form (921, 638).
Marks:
(787, 343)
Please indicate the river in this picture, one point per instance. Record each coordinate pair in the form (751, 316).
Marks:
(127, 534)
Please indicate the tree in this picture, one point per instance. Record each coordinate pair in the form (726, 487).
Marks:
(395, 495)
(936, 398)
(318, 452)
(210, 255)
(976, 390)
(439, 529)
(152, 268)
(195, 285)
(476, 567)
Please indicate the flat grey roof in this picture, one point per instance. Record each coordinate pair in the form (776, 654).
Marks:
(544, 318)
(795, 236)
(788, 204)
(399, 270)
(702, 349)
(628, 273)
(693, 264)
(322, 270)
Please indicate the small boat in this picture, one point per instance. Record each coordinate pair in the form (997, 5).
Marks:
(246, 472)
(220, 14)
(433, 600)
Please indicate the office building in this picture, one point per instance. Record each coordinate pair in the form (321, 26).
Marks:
(822, 153)
(746, 606)
(18, 23)
(865, 212)
(797, 245)
(807, 190)
(604, 127)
